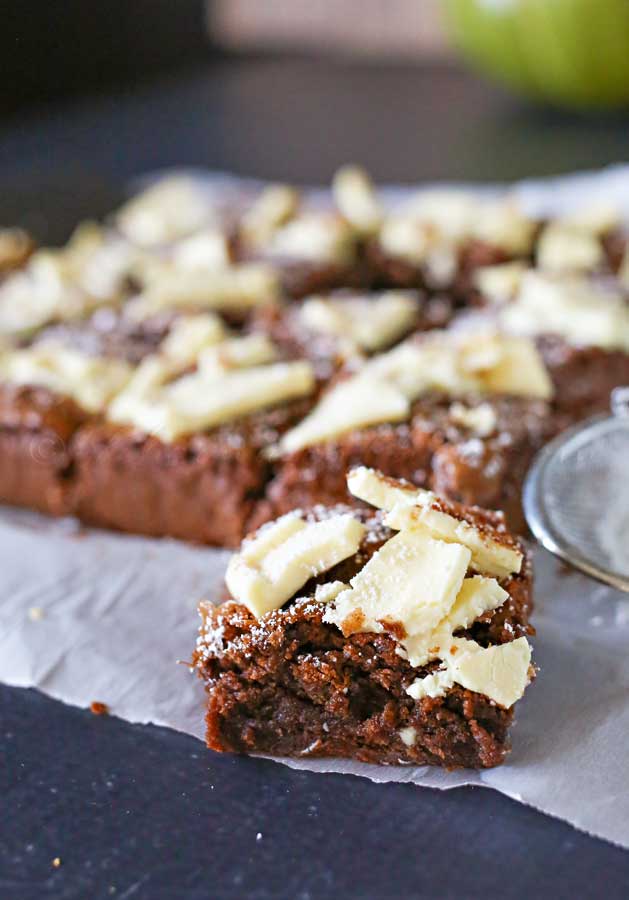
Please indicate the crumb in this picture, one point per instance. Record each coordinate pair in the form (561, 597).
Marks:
(98, 708)
(35, 613)
(56, 862)
(259, 836)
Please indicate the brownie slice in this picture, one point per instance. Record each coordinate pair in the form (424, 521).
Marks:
(202, 488)
(291, 683)
(36, 431)
(435, 449)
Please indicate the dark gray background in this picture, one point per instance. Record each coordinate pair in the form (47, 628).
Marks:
(144, 812)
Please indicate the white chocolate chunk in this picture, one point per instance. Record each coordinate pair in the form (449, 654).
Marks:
(65, 284)
(500, 283)
(368, 322)
(503, 225)
(205, 250)
(499, 672)
(189, 335)
(415, 508)
(412, 582)
(480, 419)
(597, 219)
(450, 213)
(271, 536)
(476, 596)
(384, 493)
(561, 248)
(576, 308)
(406, 238)
(274, 567)
(237, 353)
(355, 197)
(417, 367)
(275, 206)
(90, 380)
(433, 685)
(166, 211)
(489, 556)
(314, 238)
(325, 593)
(519, 370)
(239, 287)
(200, 401)
(355, 403)
(408, 736)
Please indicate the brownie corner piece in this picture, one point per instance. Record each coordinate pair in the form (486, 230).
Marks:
(37, 428)
(324, 672)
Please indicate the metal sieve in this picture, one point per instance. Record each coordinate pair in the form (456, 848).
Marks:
(576, 495)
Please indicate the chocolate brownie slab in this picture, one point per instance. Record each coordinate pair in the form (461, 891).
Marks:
(363, 660)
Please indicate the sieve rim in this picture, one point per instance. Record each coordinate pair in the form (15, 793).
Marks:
(535, 509)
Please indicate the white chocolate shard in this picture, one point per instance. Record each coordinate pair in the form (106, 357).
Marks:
(355, 403)
(189, 335)
(581, 311)
(434, 685)
(200, 401)
(407, 586)
(355, 197)
(236, 353)
(314, 237)
(500, 672)
(502, 224)
(597, 219)
(166, 211)
(561, 248)
(239, 288)
(274, 566)
(89, 380)
(205, 250)
(406, 238)
(275, 206)
(325, 593)
(418, 509)
(408, 735)
(384, 493)
(489, 556)
(370, 323)
(476, 596)
(500, 283)
(481, 419)
(518, 370)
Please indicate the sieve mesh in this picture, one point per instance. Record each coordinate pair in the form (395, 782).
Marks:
(577, 499)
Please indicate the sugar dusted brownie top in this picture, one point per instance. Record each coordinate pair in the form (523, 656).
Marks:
(377, 636)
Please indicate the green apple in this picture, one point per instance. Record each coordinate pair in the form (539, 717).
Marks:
(568, 52)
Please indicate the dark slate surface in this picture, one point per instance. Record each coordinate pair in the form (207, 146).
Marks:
(144, 812)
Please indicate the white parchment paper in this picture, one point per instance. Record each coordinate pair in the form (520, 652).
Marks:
(89, 615)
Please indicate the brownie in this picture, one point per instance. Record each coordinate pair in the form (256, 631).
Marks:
(36, 432)
(291, 684)
(431, 450)
(202, 488)
(583, 377)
